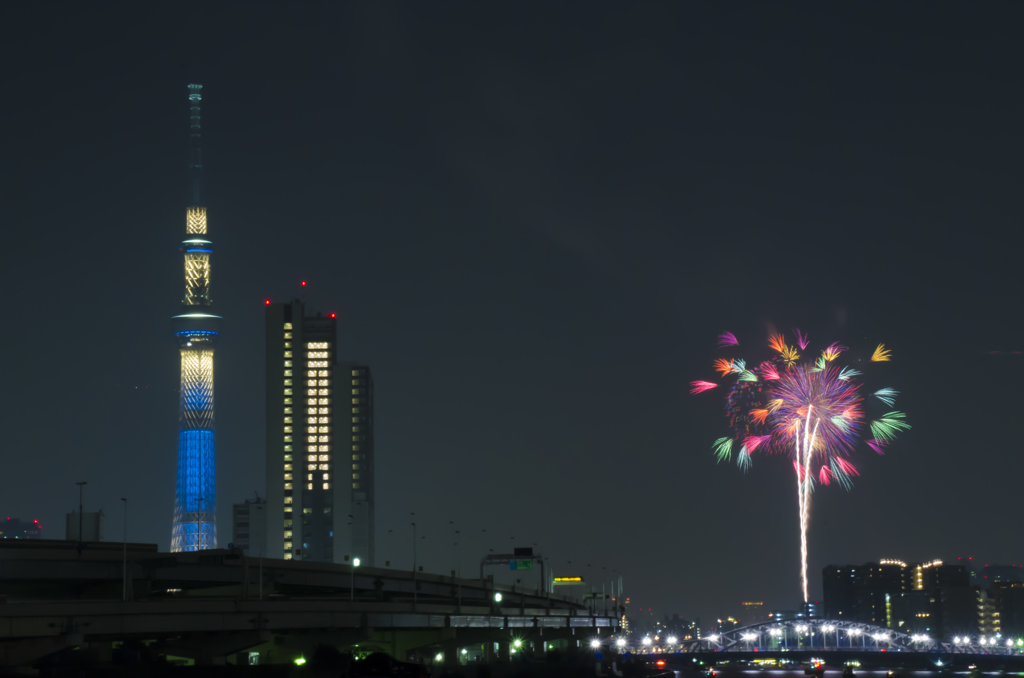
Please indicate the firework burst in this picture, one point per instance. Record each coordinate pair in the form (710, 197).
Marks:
(814, 412)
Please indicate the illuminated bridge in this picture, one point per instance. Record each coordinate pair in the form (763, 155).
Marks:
(824, 635)
(218, 605)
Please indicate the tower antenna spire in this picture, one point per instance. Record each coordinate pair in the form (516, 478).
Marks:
(197, 331)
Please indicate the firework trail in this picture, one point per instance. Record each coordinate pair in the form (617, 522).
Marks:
(812, 411)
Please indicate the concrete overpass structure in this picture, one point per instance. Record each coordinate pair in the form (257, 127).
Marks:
(209, 606)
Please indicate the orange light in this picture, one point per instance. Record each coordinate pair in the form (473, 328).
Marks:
(303, 283)
(660, 662)
(267, 302)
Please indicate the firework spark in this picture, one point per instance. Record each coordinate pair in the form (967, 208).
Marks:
(768, 371)
(881, 355)
(724, 366)
(877, 445)
(727, 339)
(889, 425)
(754, 442)
(777, 342)
(747, 375)
(887, 396)
(801, 339)
(847, 373)
(723, 449)
(743, 460)
(790, 356)
(701, 386)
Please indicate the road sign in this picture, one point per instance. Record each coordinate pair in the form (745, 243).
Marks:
(520, 565)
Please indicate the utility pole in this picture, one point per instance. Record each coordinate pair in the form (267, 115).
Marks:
(81, 487)
(124, 592)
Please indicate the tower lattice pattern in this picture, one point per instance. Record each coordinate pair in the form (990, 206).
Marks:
(195, 220)
(197, 279)
(195, 503)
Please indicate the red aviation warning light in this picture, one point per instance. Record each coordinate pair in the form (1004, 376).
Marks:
(303, 283)
(334, 315)
(267, 302)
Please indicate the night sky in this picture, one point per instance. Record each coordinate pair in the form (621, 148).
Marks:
(532, 221)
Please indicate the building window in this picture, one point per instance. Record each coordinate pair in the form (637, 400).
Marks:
(355, 467)
(309, 486)
(288, 467)
(288, 410)
(316, 344)
(287, 486)
(318, 354)
(355, 476)
(287, 382)
(287, 476)
(288, 500)
(323, 382)
(287, 544)
(287, 534)
(323, 373)
(325, 457)
(311, 457)
(287, 354)
(288, 439)
(311, 374)
(324, 467)
(288, 448)
(287, 363)
(287, 420)
(326, 478)
(355, 486)
(288, 401)
(316, 363)
(327, 486)
(355, 448)
(287, 429)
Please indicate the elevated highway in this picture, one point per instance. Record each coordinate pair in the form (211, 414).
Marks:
(208, 605)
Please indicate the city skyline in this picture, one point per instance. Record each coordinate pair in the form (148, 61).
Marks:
(529, 230)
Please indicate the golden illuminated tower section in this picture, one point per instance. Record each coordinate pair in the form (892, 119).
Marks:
(197, 330)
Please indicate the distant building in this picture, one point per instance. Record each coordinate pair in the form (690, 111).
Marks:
(16, 528)
(320, 453)
(682, 629)
(249, 526)
(912, 597)
(91, 523)
(1008, 598)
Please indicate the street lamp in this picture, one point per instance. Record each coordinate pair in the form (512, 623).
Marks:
(352, 580)
(621, 642)
(672, 640)
(595, 643)
(81, 485)
(124, 581)
(646, 642)
(497, 597)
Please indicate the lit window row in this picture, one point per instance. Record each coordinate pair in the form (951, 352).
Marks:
(317, 354)
(288, 354)
(316, 344)
(318, 392)
(287, 363)
(317, 363)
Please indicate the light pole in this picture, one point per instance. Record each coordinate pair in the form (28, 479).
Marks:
(263, 522)
(352, 580)
(124, 587)
(81, 487)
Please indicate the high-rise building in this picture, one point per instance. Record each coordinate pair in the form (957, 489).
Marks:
(197, 331)
(16, 528)
(249, 526)
(320, 486)
(927, 597)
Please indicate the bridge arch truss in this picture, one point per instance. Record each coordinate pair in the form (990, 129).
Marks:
(818, 635)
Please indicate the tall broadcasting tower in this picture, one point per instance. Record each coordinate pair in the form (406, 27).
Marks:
(197, 331)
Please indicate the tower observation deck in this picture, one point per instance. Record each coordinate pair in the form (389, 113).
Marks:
(197, 331)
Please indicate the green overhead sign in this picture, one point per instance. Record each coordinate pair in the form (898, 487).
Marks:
(520, 565)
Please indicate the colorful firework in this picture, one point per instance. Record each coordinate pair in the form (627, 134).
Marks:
(701, 386)
(813, 412)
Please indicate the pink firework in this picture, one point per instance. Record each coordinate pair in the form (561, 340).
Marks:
(727, 339)
(801, 339)
(701, 386)
(769, 371)
(877, 445)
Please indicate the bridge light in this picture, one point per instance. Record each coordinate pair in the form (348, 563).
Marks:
(775, 632)
(713, 638)
(595, 643)
(1009, 643)
(748, 637)
(299, 661)
(517, 642)
(957, 640)
(672, 640)
(355, 562)
(621, 642)
(853, 632)
(497, 597)
(438, 657)
(646, 641)
(828, 628)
